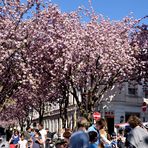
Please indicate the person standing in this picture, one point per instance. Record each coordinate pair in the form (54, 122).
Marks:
(102, 125)
(121, 138)
(80, 138)
(14, 139)
(43, 133)
(138, 137)
(93, 137)
(67, 135)
(28, 135)
(48, 139)
(95, 127)
(30, 131)
(36, 140)
(22, 142)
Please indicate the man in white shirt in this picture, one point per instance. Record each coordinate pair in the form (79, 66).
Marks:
(43, 133)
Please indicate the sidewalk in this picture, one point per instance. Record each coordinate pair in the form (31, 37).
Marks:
(4, 143)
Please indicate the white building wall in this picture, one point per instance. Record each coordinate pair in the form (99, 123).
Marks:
(123, 102)
(120, 110)
(116, 101)
(56, 125)
(60, 123)
(49, 125)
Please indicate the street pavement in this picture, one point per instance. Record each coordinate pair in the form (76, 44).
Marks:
(3, 143)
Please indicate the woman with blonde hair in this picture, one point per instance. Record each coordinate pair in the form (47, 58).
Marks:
(138, 136)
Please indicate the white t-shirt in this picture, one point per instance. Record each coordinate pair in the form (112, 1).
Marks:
(23, 143)
(43, 134)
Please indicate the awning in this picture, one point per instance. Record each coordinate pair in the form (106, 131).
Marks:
(123, 125)
(145, 100)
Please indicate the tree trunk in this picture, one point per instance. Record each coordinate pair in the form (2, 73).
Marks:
(87, 110)
(64, 123)
(21, 123)
(28, 122)
(63, 115)
(64, 110)
(40, 118)
(22, 128)
(41, 112)
(87, 114)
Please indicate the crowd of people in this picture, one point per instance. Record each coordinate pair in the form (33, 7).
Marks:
(85, 136)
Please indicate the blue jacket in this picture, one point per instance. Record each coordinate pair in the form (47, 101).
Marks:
(93, 128)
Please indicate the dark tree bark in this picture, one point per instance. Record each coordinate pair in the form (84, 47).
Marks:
(64, 102)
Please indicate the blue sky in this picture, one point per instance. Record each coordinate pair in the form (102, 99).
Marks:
(114, 9)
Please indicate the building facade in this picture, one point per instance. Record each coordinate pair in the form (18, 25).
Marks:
(116, 107)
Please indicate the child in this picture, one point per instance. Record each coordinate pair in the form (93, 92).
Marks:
(93, 136)
(22, 143)
(14, 139)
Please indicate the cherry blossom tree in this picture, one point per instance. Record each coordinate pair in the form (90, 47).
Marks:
(13, 34)
(19, 112)
(97, 56)
(52, 54)
(28, 54)
(19, 68)
(140, 39)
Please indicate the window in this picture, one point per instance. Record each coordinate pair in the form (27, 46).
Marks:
(145, 90)
(132, 89)
(146, 93)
